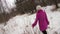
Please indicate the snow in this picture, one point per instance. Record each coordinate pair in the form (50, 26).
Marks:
(11, 3)
(54, 21)
(7, 5)
(21, 24)
(1, 28)
(17, 25)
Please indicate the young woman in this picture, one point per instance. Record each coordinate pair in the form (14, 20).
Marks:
(42, 20)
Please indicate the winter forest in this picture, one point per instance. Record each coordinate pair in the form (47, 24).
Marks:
(17, 16)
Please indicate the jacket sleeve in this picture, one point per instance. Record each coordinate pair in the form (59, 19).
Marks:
(35, 21)
(47, 18)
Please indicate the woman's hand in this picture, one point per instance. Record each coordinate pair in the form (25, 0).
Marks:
(32, 26)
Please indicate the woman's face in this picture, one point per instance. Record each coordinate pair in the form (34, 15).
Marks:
(38, 7)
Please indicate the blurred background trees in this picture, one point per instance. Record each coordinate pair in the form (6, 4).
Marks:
(25, 6)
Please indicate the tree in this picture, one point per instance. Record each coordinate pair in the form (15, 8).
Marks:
(25, 6)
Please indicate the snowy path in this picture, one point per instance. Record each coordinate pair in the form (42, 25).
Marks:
(19, 23)
(54, 18)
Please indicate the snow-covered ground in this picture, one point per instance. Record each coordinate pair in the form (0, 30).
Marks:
(21, 24)
(1, 28)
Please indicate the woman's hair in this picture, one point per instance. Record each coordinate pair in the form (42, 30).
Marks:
(38, 7)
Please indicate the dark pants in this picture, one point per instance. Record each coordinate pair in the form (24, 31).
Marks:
(44, 32)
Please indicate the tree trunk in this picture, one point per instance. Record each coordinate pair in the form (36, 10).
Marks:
(56, 3)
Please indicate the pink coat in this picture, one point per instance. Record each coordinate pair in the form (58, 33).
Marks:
(42, 18)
